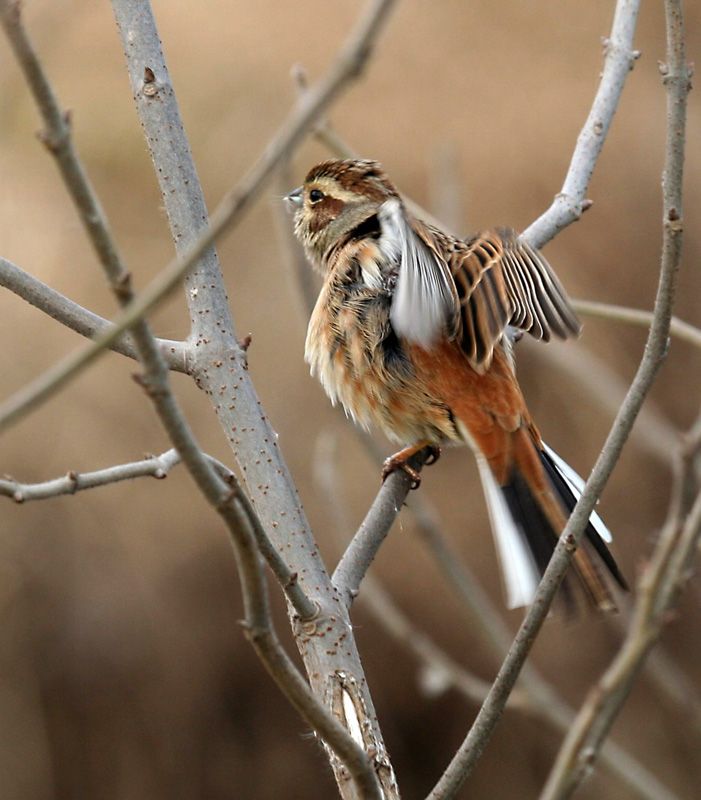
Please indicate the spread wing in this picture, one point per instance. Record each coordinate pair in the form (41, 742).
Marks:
(470, 290)
(502, 281)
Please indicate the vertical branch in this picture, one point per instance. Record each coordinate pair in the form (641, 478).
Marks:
(219, 363)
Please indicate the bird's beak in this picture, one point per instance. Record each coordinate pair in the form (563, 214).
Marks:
(293, 200)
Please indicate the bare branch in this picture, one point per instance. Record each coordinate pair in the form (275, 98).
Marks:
(668, 571)
(305, 608)
(372, 532)
(72, 482)
(654, 354)
(159, 467)
(258, 621)
(618, 62)
(659, 588)
(77, 318)
(638, 317)
(219, 363)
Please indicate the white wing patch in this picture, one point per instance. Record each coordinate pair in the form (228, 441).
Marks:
(519, 570)
(425, 298)
(576, 485)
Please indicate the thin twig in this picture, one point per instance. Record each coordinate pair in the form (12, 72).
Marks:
(159, 467)
(638, 317)
(659, 588)
(72, 482)
(619, 60)
(77, 318)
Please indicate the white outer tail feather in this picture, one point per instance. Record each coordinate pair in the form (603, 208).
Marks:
(520, 572)
(576, 484)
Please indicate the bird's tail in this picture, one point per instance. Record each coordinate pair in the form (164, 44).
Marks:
(529, 511)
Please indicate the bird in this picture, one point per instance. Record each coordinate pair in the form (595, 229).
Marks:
(412, 332)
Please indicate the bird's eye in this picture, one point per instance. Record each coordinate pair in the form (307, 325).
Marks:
(315, 196)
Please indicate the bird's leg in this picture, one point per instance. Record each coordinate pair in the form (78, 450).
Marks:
(398, 461)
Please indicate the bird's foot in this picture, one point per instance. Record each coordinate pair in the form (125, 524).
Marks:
(399, 461)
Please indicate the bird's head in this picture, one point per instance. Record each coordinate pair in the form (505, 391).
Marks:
(336, 198)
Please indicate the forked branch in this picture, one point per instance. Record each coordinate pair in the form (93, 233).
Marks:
(155, 382)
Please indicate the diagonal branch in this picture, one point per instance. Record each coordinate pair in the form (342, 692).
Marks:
(619, 60)
(372, 532)
(659, 588)
(219, 363)
(155, 382)
(77, 318)
(669, 569)
(655, 351)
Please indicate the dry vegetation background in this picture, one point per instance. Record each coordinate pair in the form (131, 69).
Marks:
(123, 673)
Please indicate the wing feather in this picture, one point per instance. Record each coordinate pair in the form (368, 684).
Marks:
(502, 281)
(425, 303)
(472, 290)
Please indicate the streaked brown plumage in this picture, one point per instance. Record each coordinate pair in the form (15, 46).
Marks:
(408, 333)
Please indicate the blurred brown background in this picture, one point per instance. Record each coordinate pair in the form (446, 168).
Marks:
(123, 673)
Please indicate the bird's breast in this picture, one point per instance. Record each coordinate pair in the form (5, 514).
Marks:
(353, 350)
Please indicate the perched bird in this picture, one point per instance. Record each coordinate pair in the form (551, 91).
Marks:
(410, 333)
